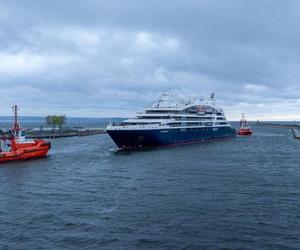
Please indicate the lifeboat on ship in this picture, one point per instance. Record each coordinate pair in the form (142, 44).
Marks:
(15, 146)
(245, 129)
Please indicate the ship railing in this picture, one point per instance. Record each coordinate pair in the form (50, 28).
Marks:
(136, 126)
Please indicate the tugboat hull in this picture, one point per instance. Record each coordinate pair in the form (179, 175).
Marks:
(245, 132)
(34, 150)
(167, 137)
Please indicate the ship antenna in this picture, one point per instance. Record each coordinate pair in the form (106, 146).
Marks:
(212, 99)
(243, 120)
(16, 126)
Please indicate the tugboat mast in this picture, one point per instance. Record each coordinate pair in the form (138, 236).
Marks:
(16, 126)
(243, 121)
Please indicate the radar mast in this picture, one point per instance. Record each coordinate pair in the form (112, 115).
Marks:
(16, 126)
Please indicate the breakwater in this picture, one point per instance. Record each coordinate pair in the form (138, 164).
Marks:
(296, 133)
(40, 134)
(278, 125)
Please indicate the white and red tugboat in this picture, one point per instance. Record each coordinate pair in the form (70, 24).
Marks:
(245, 129)
(14, 145)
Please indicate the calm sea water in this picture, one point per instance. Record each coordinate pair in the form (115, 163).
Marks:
(241, 193)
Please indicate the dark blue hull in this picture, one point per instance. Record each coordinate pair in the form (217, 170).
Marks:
(165, 137)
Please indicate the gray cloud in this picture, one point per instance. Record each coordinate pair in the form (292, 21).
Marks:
(110, 58)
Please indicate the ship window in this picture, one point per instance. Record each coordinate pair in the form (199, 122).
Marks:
(174, 124)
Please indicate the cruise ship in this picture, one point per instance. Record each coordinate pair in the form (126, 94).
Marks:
(172, 120)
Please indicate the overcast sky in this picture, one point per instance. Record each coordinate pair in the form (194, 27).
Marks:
(96, 58)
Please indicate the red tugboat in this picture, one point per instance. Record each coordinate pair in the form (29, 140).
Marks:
(245, 129)
(14, 145)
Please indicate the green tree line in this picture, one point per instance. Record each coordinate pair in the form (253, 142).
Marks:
(54, 121)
